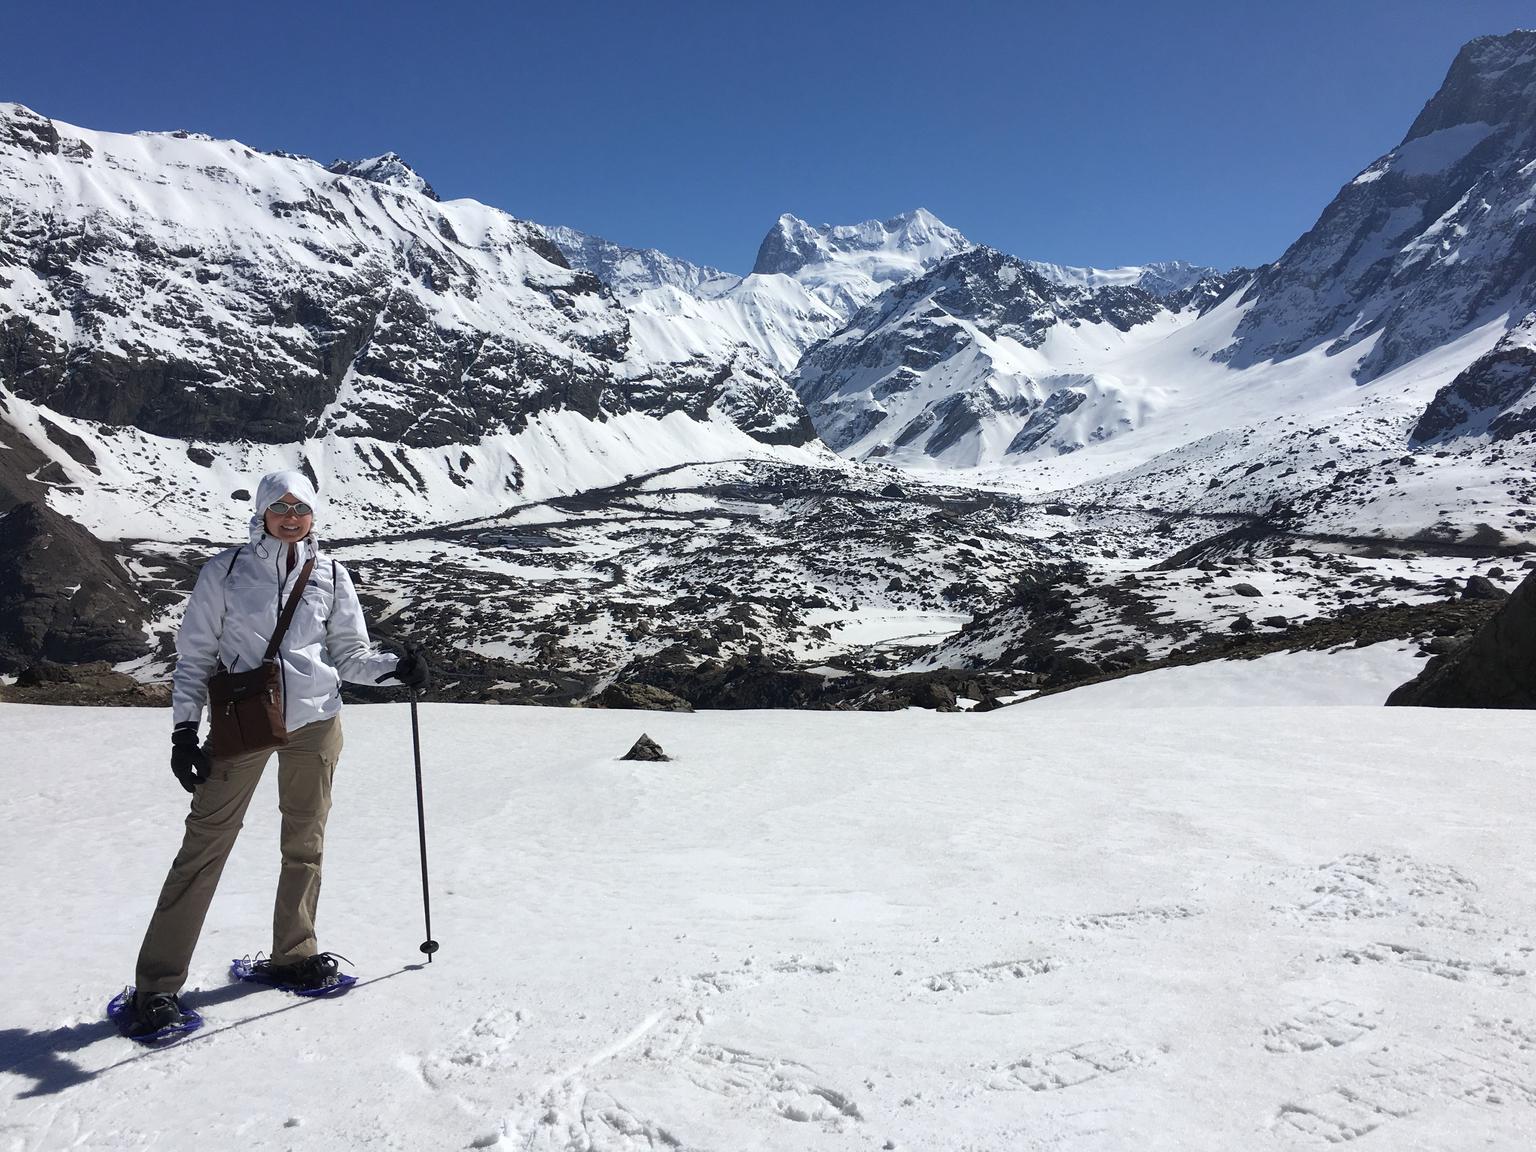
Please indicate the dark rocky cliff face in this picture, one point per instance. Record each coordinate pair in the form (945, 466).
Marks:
(1432, 239)
(63, 597)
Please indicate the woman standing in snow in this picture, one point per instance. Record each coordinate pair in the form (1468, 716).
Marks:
(230, 619)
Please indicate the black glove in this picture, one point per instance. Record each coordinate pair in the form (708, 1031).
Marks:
(412, 671)
(188, 760)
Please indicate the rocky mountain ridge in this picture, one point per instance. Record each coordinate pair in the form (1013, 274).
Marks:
(196, 289)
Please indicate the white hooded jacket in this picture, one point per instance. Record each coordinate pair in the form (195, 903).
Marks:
(233, 612)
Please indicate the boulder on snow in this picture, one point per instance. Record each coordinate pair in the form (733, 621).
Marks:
(1482, 588)
(646, 749)
(644, 697)
(1246, 590)
(1495, 669)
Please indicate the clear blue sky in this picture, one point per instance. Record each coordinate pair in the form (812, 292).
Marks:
(1108, 132)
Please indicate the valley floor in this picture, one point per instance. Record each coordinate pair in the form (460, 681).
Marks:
(1110, 927)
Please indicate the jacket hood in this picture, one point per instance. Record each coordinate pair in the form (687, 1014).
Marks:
(271, 487)
(274, 484)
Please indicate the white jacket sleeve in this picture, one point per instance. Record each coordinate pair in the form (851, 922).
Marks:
(346, 637)
(197, 644)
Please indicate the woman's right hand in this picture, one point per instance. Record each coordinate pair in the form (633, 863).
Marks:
(188, 760)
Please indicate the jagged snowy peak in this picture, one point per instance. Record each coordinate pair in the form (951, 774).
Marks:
(180, 289)
(916, 237)
(1429, 242)
(849, 265)
(386, 169)
(1162, 278)
(629, 271)
(808, 286)
(949, 366)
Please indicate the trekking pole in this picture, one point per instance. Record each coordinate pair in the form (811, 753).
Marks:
(428, 945)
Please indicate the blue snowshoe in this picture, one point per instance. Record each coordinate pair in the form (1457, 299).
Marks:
(158, 1020)
(317, 975)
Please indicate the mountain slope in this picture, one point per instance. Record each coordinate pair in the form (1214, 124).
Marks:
(1433, 239)
(189, 286)
(168, 289)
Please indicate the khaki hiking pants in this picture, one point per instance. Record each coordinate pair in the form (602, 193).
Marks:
(304, 769)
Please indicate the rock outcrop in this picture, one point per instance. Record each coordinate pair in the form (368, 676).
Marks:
(1496, 669)
(63, 597)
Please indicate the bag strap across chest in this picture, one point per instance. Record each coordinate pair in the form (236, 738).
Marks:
(289, 609)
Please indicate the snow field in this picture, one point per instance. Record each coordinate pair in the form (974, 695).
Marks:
(1025, 929)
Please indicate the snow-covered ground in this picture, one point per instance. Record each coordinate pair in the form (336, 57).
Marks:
(1180, 928)
(1350, 676)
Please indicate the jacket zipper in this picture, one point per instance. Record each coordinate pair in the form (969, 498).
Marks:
(282, 665)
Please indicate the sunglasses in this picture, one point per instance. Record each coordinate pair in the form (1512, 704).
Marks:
(284, 509)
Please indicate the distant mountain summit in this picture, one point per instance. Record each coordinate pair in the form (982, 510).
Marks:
(947, 365)
(912, 239)
(807, 282)
(629, 271)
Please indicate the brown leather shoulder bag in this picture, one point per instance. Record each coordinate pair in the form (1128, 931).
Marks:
(245, 709)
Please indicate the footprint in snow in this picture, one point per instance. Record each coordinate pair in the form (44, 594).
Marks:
(1330, 1025)
(970, 979)
(480, 1048)
(1067, 1068)
(1394, 1084)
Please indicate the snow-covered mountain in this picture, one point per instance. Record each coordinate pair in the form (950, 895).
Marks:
(807, 282)
(1161, 278)
(1432, 240)
(951, 362)
(848, 265)
(629, 271)
(176, 292)
(1416, 269)
(387, 169)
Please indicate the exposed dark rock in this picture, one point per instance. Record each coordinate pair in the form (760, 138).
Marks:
(939, 697)
(646, 749)
(646, 697)
(1246, 590)
(63, 597)
(1489, 395)
(1242, 624)
(95, 674)
(94, 684)
(1482, 588)
(1495, 669)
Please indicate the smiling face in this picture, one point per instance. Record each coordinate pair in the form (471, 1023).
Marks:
(290, 527)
